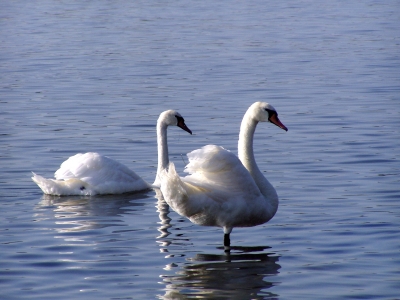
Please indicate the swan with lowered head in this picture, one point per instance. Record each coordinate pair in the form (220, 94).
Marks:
(224, 190)
(93, 174)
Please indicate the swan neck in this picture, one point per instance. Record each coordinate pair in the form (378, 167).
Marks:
(162, 147)
(246, 156)
(245, 146)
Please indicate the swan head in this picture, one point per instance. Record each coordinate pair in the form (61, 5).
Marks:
(172, 117)
(265, 112)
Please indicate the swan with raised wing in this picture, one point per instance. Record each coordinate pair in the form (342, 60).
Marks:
(93, 174)
(222, 189)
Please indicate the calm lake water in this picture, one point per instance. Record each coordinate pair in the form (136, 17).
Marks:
(79, 76)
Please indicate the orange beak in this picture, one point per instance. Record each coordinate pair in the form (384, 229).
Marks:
(274, 119)
(182, 125)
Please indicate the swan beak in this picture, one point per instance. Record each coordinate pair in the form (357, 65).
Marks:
(182, 125)
(275, 120)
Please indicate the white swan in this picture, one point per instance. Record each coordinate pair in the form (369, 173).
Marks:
(94, 174)
(224, 190)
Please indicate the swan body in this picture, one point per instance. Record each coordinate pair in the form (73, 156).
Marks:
(93, 174)
(222, 189)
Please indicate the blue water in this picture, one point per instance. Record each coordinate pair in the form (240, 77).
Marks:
(80, 76)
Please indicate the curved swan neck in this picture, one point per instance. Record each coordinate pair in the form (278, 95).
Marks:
(245, 145)
(162, 146)
(246, 156)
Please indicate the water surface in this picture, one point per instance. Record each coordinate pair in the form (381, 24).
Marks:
(94, 76)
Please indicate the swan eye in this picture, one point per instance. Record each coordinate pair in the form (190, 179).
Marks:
(271, 113)
(180, 119)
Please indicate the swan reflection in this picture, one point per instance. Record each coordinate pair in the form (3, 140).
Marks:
(79, 213)
(231, 276)
(243, 273)
(163, 211)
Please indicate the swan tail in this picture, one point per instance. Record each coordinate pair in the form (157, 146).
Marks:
(174, 190)
(185, 198)
(172, 185)
(71, 186)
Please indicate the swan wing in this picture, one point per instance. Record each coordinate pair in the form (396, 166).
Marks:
(218, 192)
(219, 171)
